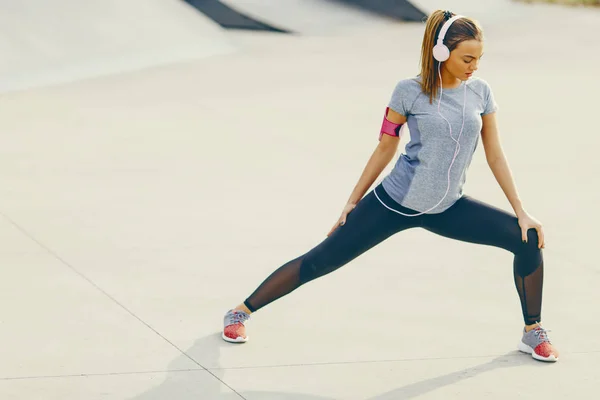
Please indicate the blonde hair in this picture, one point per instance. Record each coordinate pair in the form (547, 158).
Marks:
(462, 29)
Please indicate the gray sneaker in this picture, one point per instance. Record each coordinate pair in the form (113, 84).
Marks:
(537, 343)
(233, 330)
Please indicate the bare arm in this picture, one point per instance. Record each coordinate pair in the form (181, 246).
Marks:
(497, 162)
(381, 157)
(499, 166)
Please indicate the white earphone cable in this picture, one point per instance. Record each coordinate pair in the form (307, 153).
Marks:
(456, 151)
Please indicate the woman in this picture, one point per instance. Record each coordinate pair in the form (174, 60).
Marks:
(446, 111)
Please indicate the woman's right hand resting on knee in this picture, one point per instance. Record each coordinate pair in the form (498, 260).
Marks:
(383, 154)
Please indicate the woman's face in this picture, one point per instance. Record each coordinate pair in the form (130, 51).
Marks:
(464, 59)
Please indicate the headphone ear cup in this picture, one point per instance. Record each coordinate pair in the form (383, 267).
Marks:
(441, 52)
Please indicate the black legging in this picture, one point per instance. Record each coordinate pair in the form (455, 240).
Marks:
(370, 223)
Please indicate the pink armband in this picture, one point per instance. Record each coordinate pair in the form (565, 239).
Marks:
(388, 127)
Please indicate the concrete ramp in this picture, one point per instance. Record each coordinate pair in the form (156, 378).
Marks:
(402, 10)
(58, 41)
(230, 18)
(310, 17)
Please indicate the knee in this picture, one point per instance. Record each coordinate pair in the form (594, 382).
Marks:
(307, 270)
(313, 267)
(529, 254)
(532, 244)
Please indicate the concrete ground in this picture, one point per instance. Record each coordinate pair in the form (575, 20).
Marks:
(137, 207)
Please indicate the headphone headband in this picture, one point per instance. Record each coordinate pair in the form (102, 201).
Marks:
(440, 51)
(445, 28)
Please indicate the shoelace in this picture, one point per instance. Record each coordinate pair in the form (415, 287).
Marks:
(542, 333)
(237, 317)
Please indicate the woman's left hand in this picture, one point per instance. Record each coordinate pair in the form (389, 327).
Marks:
(527, 222)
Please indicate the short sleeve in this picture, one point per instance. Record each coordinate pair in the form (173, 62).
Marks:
(490, 104)
(402, 97)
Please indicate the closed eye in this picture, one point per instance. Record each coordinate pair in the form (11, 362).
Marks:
(470, 58)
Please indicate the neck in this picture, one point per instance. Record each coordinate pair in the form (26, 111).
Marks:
(448, 80)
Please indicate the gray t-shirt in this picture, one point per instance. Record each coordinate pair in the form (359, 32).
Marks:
(419, 179)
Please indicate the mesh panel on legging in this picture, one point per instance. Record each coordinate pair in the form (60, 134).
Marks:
(530, 292)
(282, 281)
(528, 270)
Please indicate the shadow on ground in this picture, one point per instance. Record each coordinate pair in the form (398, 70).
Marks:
(178, 383)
